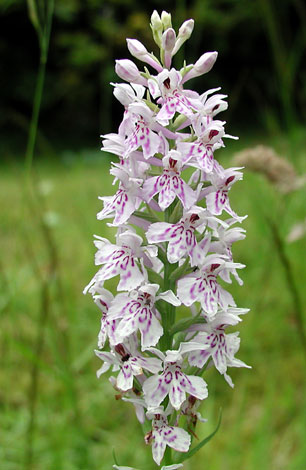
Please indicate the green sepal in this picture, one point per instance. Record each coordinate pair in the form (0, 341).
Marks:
(193, 451)
(176, 214)
(144, 215)
(178, 272)
(185, 323)
(178, 122)
(154, 278)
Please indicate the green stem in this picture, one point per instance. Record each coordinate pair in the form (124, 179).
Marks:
(168, 316)
(44, 46)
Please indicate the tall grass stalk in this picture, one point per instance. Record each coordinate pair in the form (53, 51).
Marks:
(43, 29)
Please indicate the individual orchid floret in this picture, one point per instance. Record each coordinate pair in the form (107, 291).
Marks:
(212, 105)
(137, 312)
(163, 435)
(124, 202)
(203, 65)
(202, 150)
(225, 237)
(189, 409)
(138, 50)
(173, 382)
(122, 260)
(103, 298)
(141, 131)
(218, 346)
(129, 365)
(128, 71)
(181, 237)
(217, 200)
(169, 185)
(168, 86)
(202, 286)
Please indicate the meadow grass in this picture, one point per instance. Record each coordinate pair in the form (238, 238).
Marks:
(55, 414)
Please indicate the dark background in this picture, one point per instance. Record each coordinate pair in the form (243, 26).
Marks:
(261, 44)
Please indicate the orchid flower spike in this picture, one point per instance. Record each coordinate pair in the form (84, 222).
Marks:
(159, 289)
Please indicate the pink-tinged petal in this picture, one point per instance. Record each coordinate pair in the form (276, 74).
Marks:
(105, 253)
(122, 205)
(166, 193)
(150, 188)
(228, 380)
(150, 329)
(169, 297)
(216, 201)
(186, 194)
(219, 358)
(130, 276)
(226, 299)
(104, 368)
(116, 309)
(198, 254)
(127, 326)
(199, 358)
(155, 390)
(150, 143)
(125, 378)
(177, 391)
(205, 157)
(185, 292)
(158, 447)
(153, 88)
(197, 387)
(177, 243)
(152, 364)
(159, 232)
(177, 438)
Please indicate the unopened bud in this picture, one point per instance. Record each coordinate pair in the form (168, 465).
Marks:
(128, 71)
(186, 29)
(136, 48)
(185, 32)
(156, 22)
(169, 38)
(157, 27)
(166, 20)
(168, 43)
(203, 65)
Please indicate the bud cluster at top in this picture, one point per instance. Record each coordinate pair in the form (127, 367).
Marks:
(173, 248)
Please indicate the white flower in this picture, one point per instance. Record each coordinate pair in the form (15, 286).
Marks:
(129, 365)
(173, 381)
(163, 435)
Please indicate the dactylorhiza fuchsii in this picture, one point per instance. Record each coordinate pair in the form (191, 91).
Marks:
(173, 248)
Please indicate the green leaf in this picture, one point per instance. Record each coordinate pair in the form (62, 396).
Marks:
(33, 15)
(114, 457)
(193, 451)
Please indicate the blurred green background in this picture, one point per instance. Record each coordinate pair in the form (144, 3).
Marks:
(54, 413)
